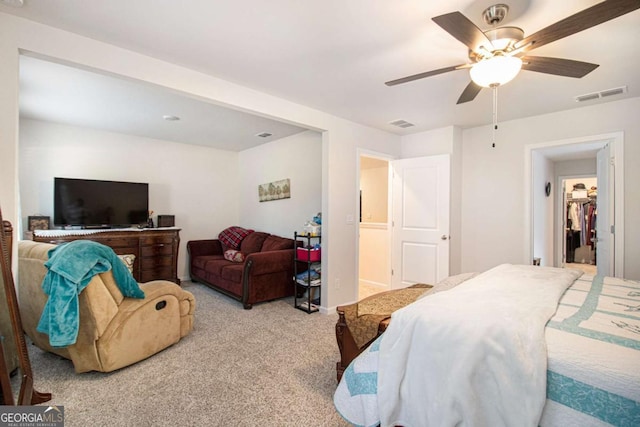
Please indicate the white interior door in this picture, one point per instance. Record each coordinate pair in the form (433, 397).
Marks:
(420, 220)
(605, 214)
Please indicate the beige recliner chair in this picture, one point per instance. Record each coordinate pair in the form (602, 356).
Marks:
(114, 331)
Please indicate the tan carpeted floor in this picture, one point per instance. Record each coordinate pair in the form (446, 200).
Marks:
(586, 268)
(366, 290)
(269, 366)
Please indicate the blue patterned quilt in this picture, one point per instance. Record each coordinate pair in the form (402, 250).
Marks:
(593, 372)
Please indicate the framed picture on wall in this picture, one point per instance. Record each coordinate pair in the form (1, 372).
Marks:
(39, 223)
(275, 190)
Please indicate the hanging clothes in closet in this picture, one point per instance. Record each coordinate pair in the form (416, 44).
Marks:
(592, 218)
(574, 228)
(580, 232)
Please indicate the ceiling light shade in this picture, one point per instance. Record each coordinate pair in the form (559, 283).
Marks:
(495, 71)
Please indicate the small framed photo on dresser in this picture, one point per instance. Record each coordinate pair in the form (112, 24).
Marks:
(39, 223)
(166, 220)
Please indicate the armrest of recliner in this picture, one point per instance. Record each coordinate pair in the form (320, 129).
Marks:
(105, 301)
(155, 292)
(269, 261)
(204, 247)
(159, 288)
(141, 327)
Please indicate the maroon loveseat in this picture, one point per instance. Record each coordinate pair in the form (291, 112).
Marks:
(265, 273)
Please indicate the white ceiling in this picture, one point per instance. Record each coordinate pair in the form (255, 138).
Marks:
(335, 55)
(62, 94)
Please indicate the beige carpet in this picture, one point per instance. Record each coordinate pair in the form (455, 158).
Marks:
(269, 366)
(366, 290)
(586, 268)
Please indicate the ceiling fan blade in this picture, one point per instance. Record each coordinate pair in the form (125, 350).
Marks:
(426, 74)
(470, 92)
(590, 17)
(460, 27)
(557, 66)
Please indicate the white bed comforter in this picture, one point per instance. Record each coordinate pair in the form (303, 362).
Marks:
(474, 355)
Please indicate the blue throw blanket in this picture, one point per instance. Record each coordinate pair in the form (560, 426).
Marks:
(71, 267)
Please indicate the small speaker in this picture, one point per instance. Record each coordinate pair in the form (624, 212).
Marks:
(166, 220)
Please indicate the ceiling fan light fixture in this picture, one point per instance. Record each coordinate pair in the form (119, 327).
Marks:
(503, 38)
(495, 71)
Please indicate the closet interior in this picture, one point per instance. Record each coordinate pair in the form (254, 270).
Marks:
(581, 197)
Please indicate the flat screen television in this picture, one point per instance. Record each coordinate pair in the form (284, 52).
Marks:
(93, 203)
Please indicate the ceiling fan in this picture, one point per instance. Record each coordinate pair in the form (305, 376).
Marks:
(497, 55)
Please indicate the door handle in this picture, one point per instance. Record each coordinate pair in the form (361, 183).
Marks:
(444, 237)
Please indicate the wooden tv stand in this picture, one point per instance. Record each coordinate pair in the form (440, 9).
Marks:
(156, 249)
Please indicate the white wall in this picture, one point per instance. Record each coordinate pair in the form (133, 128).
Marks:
(340, 217)
(493, 180)
(429, 143)
(374, 184)
(490, 198)
(455, 200)
(341, 138)
(299, 158)
(576, 167)
(543, 207)
(375, 265)
(199, 185)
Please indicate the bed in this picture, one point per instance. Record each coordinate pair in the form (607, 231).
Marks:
(473, 356)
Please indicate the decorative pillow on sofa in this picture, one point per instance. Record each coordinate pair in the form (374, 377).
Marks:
(232, 237)
(233, 255)
(128, 260)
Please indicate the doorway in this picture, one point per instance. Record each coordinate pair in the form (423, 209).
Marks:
(579, 213)
(547, 163)
(404, 232)
(374, 231)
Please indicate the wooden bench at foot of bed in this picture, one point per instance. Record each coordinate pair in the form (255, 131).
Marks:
(360, 323)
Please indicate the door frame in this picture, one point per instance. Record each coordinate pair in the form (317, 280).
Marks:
(616, 141)
(362, 152)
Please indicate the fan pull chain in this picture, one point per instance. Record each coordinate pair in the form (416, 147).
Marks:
(495, 113)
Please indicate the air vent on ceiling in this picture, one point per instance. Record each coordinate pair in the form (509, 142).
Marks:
(401, 123)
(587, 97)
(614, 91)
(264, 134)
(601, 94)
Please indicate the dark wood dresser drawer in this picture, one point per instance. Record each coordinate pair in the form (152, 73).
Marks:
(117, 242)
(156, 249)
(148, 263)
(156, 240)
